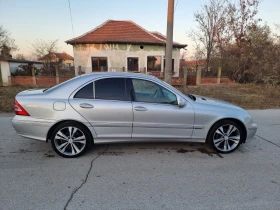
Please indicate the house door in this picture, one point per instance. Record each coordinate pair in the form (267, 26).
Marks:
(99, 64)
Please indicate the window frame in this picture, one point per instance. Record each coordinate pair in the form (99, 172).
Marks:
(157, 84)
(161, 64)
(80, 88)
(127, 63)
(99, 67)
(173, 64)
(128, 99)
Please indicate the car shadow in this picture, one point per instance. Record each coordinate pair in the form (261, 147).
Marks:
(159, 148)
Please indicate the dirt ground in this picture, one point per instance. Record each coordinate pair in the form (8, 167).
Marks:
(248, 96)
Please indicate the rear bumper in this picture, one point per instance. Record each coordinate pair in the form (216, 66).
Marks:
(32, 128)
(251, 131)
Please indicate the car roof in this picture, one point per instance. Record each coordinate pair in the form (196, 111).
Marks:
(117, 74)
(69, 86)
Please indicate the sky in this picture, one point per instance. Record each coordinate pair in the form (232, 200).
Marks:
(30, 20)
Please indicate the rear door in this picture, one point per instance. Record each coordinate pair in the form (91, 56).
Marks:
(157, 114)
(106, 105)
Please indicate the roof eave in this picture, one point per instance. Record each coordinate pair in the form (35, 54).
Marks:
(121, 42)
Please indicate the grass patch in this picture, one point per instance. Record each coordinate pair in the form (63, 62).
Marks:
(7, 97)
(248, 96)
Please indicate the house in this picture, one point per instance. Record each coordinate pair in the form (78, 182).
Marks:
(61, 58)
(122, 46)
(15, 67)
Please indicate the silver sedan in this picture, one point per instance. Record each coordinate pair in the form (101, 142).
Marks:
(126, 107)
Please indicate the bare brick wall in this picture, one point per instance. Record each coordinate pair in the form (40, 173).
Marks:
(45, 81)
(22, 80)
(191, 80)
(176, 81)
(225, 80)
(63, 79)
(40, 81)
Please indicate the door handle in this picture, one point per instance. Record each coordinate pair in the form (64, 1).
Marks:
(140, 108)
(86, 106)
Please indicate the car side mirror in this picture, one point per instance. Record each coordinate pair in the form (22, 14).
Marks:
(181, 101)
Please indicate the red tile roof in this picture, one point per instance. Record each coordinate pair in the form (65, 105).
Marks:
(63, 56)
(161, 36)
(126, 32)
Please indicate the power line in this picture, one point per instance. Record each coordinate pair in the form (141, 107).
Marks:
(71, 17)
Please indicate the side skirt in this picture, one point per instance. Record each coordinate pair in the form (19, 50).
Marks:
(143, 140)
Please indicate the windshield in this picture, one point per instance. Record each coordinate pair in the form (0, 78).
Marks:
(192, 97)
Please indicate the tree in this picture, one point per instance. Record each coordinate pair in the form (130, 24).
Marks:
(258, 58)
(223, 27)
(20, 57)
(5, 51)
(211, 21)
(7, 44)
(241, 18)
(242, 22)
(43, 49)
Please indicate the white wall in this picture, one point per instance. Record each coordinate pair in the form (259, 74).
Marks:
(5, 71)
(117, 55)
(68, 61)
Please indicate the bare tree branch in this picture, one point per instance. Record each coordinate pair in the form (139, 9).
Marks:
(42, 48)
(7, 44)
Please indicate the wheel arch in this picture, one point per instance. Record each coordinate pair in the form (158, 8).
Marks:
(239, 122)
(63, 121)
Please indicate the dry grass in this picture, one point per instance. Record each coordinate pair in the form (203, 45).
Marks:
(7, 97)
(248, 96)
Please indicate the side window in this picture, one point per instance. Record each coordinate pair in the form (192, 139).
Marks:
(110, 89)
(146, 91)
(85, 92)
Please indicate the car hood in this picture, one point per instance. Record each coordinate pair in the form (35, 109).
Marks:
(215, 102)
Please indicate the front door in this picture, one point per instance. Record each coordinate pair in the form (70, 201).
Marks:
(104, 103)
(157, 115)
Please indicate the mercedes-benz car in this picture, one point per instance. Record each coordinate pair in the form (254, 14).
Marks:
(101, 108)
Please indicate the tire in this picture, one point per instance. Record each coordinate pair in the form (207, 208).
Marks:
(70, 139)
(226, 136)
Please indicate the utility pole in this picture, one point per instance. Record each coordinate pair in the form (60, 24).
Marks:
(169, 43)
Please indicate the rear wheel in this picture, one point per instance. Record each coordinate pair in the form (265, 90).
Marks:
(70, 139)
(226, 136)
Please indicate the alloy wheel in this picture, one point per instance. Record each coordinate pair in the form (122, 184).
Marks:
(70, 141)
(226, 138)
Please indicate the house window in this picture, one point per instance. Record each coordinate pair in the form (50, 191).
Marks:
(154, 63)
(172, 65)
(132, 64)
(99, 64)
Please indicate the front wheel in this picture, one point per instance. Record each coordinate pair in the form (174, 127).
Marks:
(70, 139)
(226, 136)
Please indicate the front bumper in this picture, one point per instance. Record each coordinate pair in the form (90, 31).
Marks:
(251, 131)
(29, 127)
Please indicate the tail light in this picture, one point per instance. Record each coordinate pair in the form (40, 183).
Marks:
(19, 110)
